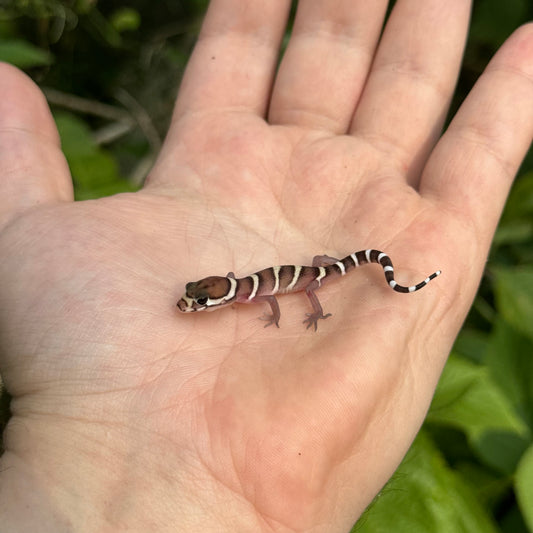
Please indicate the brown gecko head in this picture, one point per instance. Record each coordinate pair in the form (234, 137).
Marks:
(208, 294)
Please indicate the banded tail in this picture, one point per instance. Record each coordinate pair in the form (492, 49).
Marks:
(371, 256)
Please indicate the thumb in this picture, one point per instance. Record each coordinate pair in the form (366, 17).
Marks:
(33, 170)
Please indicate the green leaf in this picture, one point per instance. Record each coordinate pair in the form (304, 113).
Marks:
(491, 487)
(520, 201)
(514, 297)
(425, 495)
(76, 138)
(513, 232)
(125, 19)
(94, 170)
(472, 344)
(501, 450)
(23, 54)
(510, 363)
(468, 399)
(524, 487)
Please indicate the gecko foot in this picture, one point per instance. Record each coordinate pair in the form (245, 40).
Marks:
(270, 319)
(313, 319)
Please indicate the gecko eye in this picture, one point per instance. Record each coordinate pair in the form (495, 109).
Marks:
(202, 301)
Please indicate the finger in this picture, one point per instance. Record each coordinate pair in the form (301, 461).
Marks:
(326, 63)
(473, 166)
(33, 170)
(412, 80)
(234, 60)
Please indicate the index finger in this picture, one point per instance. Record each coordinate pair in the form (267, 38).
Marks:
(474, 163)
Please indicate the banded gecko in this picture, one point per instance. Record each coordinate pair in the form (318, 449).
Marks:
(215, 292)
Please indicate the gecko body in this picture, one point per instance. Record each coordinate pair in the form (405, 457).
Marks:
(216, 292)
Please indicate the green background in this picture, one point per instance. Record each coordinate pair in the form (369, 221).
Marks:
(110, 71)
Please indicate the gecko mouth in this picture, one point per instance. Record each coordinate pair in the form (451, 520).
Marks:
(186, 307)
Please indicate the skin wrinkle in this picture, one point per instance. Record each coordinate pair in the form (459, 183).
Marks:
(403, 155)
(459, 214)
(509, 69)
(397, 228)
(477, 138)
(407, 163)
(419, 214)
(331, 32)
(412, 70)
(39, 198)
(50, 137)
(237, 40)
(252, 28)
(23, 162)
(230, 214)
(321, 118)
(289, 211)
(213, 472)
(328, 117)
(236, 468)
(327, 123)
(334, 26)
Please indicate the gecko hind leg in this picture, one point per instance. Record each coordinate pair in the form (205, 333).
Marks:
(317, 314)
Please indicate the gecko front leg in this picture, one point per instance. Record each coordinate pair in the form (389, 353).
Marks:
(276, 313)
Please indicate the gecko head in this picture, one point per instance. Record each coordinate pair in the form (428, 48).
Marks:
(208, 294)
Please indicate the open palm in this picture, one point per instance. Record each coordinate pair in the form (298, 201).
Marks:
(168, 420)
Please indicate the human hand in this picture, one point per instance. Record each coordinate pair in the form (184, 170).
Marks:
(129, 415)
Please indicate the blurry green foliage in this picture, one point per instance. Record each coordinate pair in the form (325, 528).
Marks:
(471, 467)
(23, 54)
(524, 486)
(514, 294)
(494, 20)
(426, 495)
(125, 19)
(510, 362)
(468, 399)
(94, 170)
